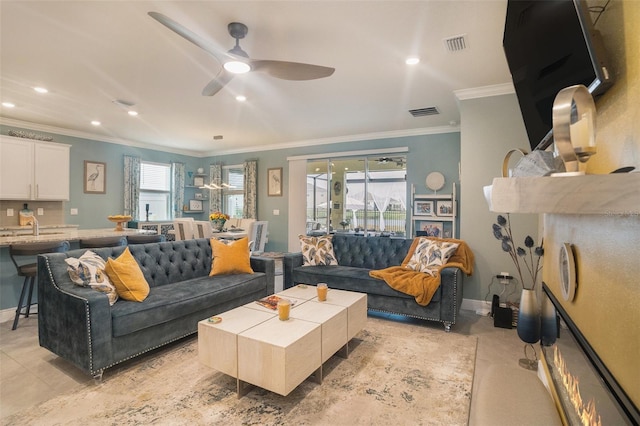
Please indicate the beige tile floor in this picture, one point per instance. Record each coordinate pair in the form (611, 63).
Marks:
(30, 375)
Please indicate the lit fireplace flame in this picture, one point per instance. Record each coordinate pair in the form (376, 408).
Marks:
(587, 413)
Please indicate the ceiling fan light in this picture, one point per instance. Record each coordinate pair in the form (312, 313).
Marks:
(237, 67)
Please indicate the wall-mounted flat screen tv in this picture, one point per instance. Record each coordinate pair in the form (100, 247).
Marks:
(550, 45)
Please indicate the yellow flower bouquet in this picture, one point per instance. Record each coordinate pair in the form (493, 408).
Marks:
(218, 216)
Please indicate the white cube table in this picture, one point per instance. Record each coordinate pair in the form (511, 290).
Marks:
(356, 304)
(279, 355)
(252, 345)
(218, 342)
(333, 322)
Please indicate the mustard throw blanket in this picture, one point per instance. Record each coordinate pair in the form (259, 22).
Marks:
(419, 284)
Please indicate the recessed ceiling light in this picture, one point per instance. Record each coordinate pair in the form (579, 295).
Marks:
(40, 90)
(241, 98)
(237, 67)
(95, 123)
(412, 60)
(132, 113)
(8, 105)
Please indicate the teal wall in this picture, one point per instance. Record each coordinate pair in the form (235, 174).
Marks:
(427, 153)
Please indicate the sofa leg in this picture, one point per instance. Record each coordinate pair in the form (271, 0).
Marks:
(447, 327)
(97, 376)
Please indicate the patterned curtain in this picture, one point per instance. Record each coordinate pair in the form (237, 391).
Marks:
(249, 210)
(215, 196)
(177, 188)
(131, 186)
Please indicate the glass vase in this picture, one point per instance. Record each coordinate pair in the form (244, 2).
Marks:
(217, 224)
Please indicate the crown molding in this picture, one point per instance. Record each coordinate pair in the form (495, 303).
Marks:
(363, 137)
(4, 121)
(484, 91)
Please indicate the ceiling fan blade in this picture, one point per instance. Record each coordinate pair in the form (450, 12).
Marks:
(194, 38)
(217, 83)
(291, 70)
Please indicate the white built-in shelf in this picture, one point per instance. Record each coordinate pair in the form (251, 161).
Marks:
(612, 194)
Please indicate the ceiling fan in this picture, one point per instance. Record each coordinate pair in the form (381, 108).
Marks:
(237, 61)
(386, 160)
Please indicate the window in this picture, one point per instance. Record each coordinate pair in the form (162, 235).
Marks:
(155, 191)
(357, 194)
(233, 190)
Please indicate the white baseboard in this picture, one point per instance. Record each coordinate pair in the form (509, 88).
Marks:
(480, 307)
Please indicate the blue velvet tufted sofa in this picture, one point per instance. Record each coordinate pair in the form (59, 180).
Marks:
(358, 255)
(78, 324)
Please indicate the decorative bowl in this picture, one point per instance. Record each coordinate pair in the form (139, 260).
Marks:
(119, 219)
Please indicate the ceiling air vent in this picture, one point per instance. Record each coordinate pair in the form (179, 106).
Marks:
(423, 112)
(455, 43)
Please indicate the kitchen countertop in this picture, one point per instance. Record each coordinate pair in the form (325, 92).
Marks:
(64, 233)
(13, 230)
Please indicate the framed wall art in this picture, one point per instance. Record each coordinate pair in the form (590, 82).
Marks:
(423, 208)
(444, 208)
(430, 229)
(95, 177)
(274, 182)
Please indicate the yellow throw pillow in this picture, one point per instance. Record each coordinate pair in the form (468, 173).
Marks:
(232, 258)
(125, 274)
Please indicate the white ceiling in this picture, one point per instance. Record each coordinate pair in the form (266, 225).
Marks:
(90, 53)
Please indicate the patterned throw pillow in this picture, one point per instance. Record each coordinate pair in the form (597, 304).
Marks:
(429, 255)
(88, 271)
(317, 251)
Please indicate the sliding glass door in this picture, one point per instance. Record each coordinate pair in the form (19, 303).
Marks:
(362, 195)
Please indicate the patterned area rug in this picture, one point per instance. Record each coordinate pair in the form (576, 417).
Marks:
(396, 374)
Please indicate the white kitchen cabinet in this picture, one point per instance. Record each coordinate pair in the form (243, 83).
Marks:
(33, 170)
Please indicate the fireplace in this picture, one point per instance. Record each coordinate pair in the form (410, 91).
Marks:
(585, 392)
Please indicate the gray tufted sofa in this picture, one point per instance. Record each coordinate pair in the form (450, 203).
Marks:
(358, 255)
(78, 324)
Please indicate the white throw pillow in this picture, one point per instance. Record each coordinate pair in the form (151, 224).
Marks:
(88, 271)
(429, 255)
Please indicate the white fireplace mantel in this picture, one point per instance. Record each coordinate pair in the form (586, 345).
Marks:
(612, 194)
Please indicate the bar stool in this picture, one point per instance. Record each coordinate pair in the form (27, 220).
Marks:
(29, 270)
(103, 242)
(145, 239)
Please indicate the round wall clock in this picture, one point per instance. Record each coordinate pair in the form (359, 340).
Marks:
(435, 181)
(567, 266)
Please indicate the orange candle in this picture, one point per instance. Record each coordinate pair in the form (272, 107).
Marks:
(284, 307)
(322, 292)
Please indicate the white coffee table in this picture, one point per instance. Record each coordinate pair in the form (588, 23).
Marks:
(252, 345)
